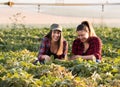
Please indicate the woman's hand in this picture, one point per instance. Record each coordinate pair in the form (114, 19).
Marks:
(46, 57)
(74, 57)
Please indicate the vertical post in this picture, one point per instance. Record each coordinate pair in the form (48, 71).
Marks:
(102, 24)
(10, 3)
(102, 8)
(39, 8)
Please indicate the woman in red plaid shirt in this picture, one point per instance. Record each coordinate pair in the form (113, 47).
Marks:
(53, 44)
(87, 46)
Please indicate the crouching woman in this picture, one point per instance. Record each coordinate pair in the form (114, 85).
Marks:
(87, 45)
(53, 44)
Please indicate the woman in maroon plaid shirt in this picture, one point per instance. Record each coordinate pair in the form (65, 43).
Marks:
(87, 46)
(53, 44)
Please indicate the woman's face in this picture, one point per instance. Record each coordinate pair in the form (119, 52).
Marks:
(83, 35)
(56, 35)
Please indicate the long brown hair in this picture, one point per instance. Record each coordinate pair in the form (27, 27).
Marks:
(60, 42)
(90, 28)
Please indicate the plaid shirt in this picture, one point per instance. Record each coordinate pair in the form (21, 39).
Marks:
(45, 47)
(95, 47)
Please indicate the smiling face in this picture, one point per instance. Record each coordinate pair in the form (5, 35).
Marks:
(56, 35)
(83, 35)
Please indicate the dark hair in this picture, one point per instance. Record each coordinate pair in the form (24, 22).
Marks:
(87, 26)
(86, 23)
(49, 35)
(82, 27)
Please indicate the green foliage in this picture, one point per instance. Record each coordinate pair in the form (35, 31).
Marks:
(19, 49)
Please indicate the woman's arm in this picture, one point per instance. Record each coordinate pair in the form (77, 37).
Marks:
(97, 48)
(42, 50)
(88, 57)
(74, 57)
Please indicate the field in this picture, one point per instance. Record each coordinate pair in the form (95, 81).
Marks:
(19, 48)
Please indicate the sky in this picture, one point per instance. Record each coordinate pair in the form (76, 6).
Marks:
(65, 1)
